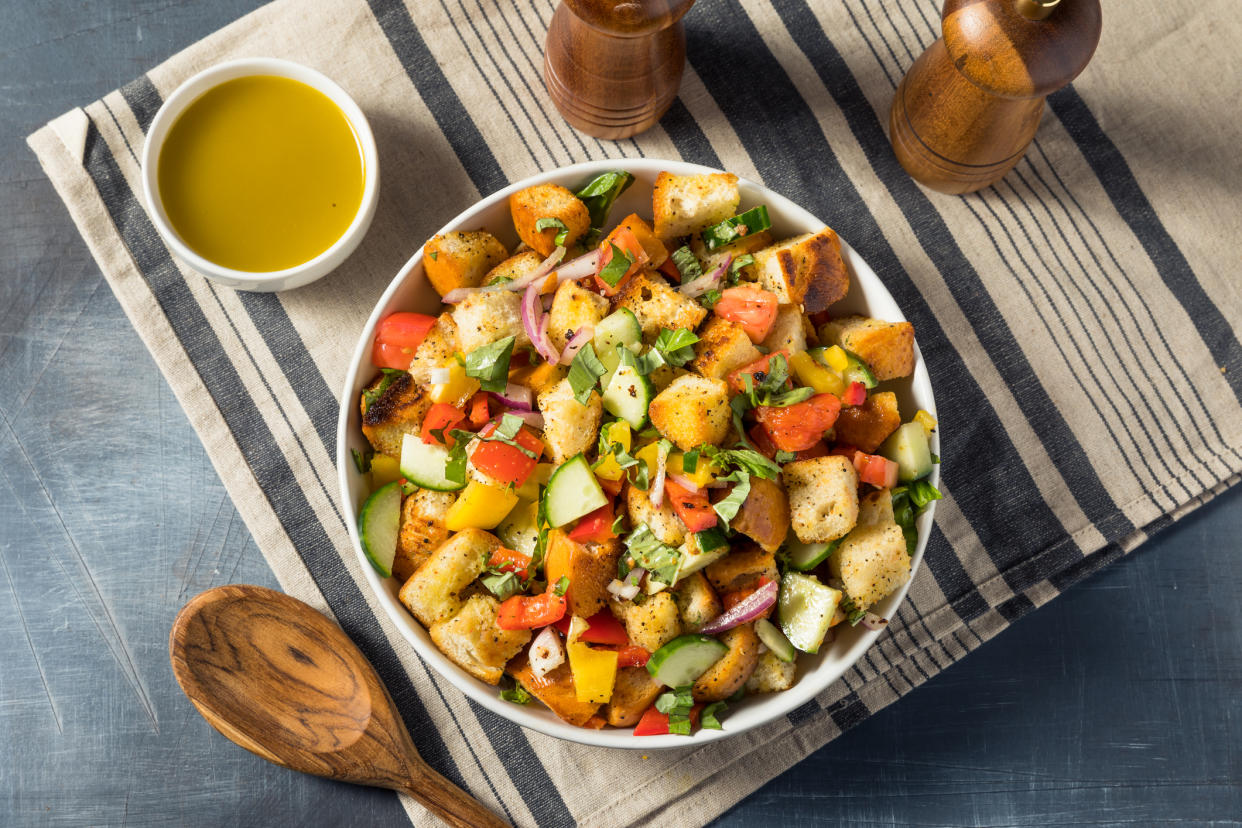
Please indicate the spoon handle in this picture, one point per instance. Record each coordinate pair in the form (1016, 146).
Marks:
(450, 802)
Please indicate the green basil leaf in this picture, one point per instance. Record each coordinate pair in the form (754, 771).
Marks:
(789, 398)
(676, 345)
(600, 193)
(362, 459)
(553, 224)
(510, 425)
(708, 718)
(503, 585)
(562, 585)
(783, 457)
(727, 509)
(373, 394)
(584, 372)
(735, 267)
(690, 461)
(687, 264)
(455, 467)
(710, 298)
(489, 364)
(517, 694)
(616, 267)
(754, 220)
(649, 362)
(660, 560)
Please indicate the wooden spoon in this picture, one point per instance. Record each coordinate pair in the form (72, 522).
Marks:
(284, 682)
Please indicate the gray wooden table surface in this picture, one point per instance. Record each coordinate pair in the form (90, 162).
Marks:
(1120, 703)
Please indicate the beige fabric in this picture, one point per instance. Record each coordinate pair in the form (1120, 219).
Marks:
(1087, 292)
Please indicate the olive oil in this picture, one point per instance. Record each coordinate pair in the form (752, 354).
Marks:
(261, 173)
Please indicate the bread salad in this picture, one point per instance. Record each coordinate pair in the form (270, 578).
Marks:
(636, 468)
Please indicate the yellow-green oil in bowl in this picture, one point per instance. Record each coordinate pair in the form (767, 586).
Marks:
(261, 173)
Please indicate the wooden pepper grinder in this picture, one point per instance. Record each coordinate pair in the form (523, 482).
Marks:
(613, 67)
(964, 114)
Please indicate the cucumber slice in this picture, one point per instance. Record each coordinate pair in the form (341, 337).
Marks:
(700, 550)
(519, 531)
(684, 659)
(755, 220)
(857, 371)
(379, 522)
(806, 556)
(628, 394)
(617, 328)
(907, 447)
(806, 608)
(572, 492)
(771, 635)
(424, 464)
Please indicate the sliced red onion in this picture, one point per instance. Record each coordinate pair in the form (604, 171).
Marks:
(683, 481)
(546, 652)
(656, 494)
(547, 300)
(581, 337)
(748, 609)
(874, 622)
(457, 294)
(439, 376)
(535, 322)
(580, 268)
(621, 591)
(532, 418)
(707, 281)
(515, 396)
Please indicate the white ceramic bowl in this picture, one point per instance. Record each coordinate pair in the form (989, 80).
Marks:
(292, 277)
(410, 291)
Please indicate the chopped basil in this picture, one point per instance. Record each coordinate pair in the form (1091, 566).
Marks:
(618, 524)
(935, 458)
(562, 585)
(687, 264)
(584, 372)
(727, 509)
(690, 461)
(648, 362)
(660, 560)
(922, 493)
(503, 585)
(677, 704)
(642, 477)
(489, 364)
(789, 398)
(600, 193)
(784, 457)
(710, 298)
(517, 694)
(676, 345)
(735, 267)
(435, 255)
(748, 460)
(553, 224)
(708, 720)
(616, 267)
(373, 394)
(362, 459)
(754, 220)
(455, 466)
(738, 696)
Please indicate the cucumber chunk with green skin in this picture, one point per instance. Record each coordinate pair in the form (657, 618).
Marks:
(908, 448)
(806, 556)
(628, 395)
(858, 371)
(426, 465)
(685, 658)
(519, 531)
(572, 492)
(379, 523)
(754, 220)
(806, 608)
(617, 328)
(775, 640)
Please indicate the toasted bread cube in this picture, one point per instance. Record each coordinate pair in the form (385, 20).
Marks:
(696, 601)
(634, 692)
(513, 268)
(572, 307)
(764, 515)
(663, 376)
(422, 530)
(682, 204)
(590, 567)
(662, 521)
(823, 497)
(729, 674)
(483, 318)
(436, 348)
(805, 270)
(474, 642)
(872, 562)
(460, 259)
(538, 377)
(548, 201)
(433, 593)
(554, 688)
(657, 306)
(886, 347)
(742, 568)
(723, 347)
(569, 427)
(876, 507)
(651, 624)
(788, 331)
(711, 259)
(656, 252)
(771, 674)
(693, 410)
(395, 413)
(868, 425)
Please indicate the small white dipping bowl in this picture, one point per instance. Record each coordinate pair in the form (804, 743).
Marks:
(273, 280)
(410, 291)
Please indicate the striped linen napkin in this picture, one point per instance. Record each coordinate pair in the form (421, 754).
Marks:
(1078, 320)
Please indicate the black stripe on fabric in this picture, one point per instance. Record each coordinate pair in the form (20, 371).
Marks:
(143, 99)
(258, 446)
(959, 590)
(688, 136)
(803, 712)
(438, 95)
(1015, 608)
(963, 281)
(1132, 205)
(848, 711)
(1092, 564)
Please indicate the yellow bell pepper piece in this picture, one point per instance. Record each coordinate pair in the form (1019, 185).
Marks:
(459, 387)
(704, 470)
(836, 358)
(594, 671)
(618, 432)
(923, 418)
(480, 506)
(809, 372)
(649, 454)
(384, 470)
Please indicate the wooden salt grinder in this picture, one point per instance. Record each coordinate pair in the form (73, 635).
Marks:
(613, 67)
(968, 108)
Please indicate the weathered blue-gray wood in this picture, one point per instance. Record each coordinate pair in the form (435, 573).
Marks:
(1119, 704)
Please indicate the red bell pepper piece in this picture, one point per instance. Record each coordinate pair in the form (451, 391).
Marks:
(478, 410)
(856, 394)
(693, 508)
(602, 628)
(655, 723)
(594, 526)
(509, 560)
(445, 417)
(524, 612)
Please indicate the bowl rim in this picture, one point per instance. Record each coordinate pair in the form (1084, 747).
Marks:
(195, 87)
(810, 683)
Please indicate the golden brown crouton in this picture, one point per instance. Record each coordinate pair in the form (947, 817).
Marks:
(788, 332)
(656, 252)
(473, 641)
(693, 410)
(771, 674)
(573, 307)
(548, 201)
(393, 414)
(886, 347)
(489, 316)
(661, 520)
(872, 562)
(554, 688)
(726, 676)
(433, 593)
(764, 516)
(696, 601)
(805, 270)
(712, 259)
(590, 567)
(682, 204)
(437, 347)
(569, 427)
(866, 426)
(823, 497)
(657, 306)
(422, 530)
(723, 347)
(651, 624)
(876, 507)
(742, 568)
(634, 692)
(460, 259)
(540, 376)
(514, 267)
